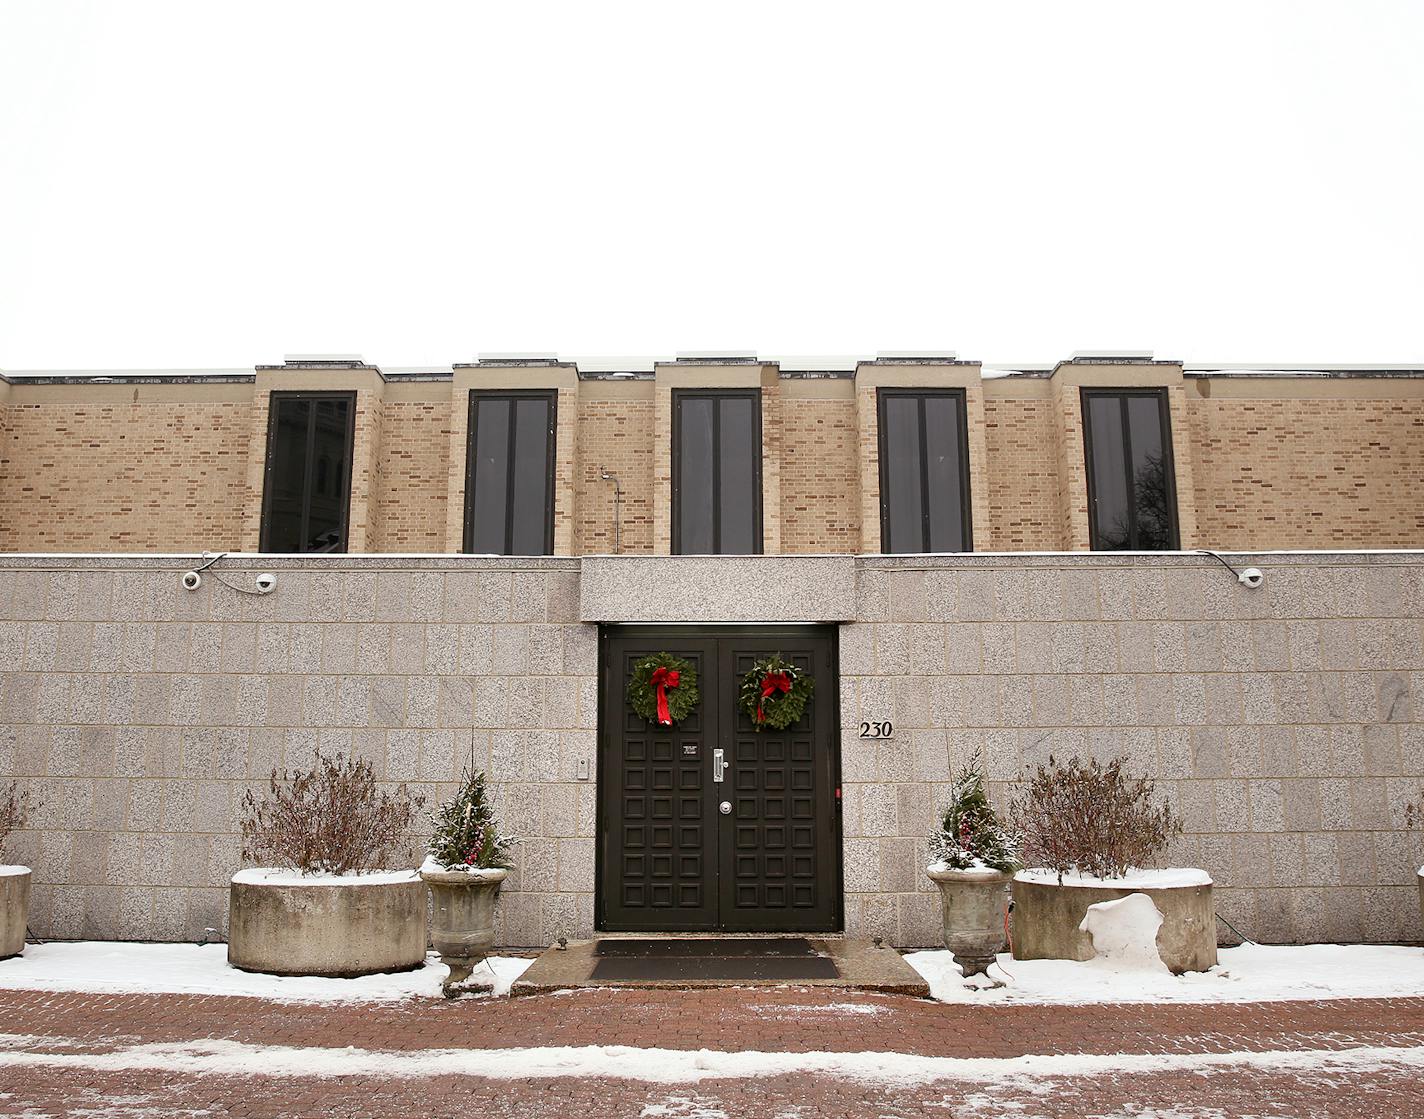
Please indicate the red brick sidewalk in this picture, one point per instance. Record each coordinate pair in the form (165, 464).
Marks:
(767, 1020)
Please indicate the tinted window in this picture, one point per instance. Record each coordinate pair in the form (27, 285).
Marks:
(924, 494)
(509, 486)
(308, 484)
(717, 473)
(1131, 498)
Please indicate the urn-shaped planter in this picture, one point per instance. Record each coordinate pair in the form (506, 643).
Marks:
(973, 904)
(462, 916)
(14, 909)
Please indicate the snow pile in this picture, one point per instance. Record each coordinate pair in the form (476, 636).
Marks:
(187, 969)
(1248, 973)
(291, 876)
(1134, 879)
(1124, 932)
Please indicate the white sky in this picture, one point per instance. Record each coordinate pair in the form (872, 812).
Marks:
(201, 184)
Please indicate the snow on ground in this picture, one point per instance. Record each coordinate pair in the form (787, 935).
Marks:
(1249, 973)
(220, 1057)
(190, 970)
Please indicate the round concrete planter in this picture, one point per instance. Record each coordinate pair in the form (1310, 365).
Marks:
(284, 923)
(973, 904)
(1047, 916)
(462, 917)
(14, 909)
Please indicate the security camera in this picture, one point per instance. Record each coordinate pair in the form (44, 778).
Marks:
(1251, 577)
(266, 583)
(191, 580)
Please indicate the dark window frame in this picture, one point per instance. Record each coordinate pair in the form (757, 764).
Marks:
(476, 395)
(274, 399)
(754, 395)
(1169, 466)
(882, 395)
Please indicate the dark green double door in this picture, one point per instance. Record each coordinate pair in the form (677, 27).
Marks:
(709, 824)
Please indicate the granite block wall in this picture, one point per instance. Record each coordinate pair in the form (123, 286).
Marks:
(138, 714)
(1286, 723)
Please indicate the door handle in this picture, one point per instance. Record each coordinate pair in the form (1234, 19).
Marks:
(719, 765)
(726, 807)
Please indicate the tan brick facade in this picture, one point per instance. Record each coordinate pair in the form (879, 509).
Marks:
(158, 463)
(1290, 466)
(820, 468)
(412, 470)
(615, 420)
(114, 468)
(1025, 493)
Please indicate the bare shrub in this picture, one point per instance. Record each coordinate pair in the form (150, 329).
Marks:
(330, 819)
(1090, 818)
(14, 809)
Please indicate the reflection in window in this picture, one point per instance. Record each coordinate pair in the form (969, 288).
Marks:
(308, 484)
(1132, 501)
(509, 485)
(716, 472)
(924, 496)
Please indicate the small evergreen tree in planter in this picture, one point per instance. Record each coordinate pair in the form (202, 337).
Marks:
(14, 880)
(1090, 833)
(468, 859)
(974, 855)
(326, 902)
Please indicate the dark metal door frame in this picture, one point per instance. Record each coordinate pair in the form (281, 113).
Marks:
(718, 729)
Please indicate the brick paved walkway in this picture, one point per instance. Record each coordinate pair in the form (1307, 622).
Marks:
(96, 1057)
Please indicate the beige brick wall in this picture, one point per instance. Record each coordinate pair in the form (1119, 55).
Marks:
(615, 423)
(134, 470)
(1309, 471)
(412, 468)
(1024, 482)
(1261, 462)
(820, 472)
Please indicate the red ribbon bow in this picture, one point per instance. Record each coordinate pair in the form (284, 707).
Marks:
(664, 678)
(771, 683)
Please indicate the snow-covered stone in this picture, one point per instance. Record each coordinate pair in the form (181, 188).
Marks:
(1124, 931)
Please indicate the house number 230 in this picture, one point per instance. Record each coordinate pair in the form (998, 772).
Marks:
(877, 730)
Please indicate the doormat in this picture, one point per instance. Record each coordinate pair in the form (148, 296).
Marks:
(675, 959)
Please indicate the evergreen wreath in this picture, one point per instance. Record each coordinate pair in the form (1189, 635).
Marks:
(664, 676)
(773, 694)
